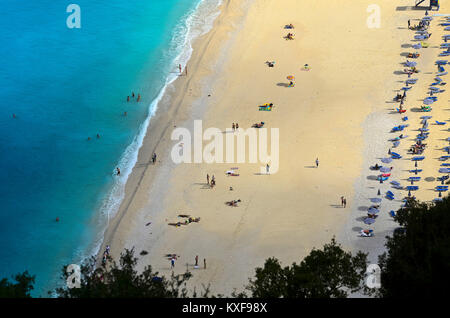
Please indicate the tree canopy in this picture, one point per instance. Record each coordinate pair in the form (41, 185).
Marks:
(123, 280)
(19, 288)
(417, 261)
(326, 273)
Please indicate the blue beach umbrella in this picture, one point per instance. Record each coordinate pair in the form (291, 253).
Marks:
(375, 200)
(385, 169)
(369, 221)
(386, 160)
(373, 210)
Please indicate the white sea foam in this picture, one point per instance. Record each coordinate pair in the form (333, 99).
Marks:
(195, 23)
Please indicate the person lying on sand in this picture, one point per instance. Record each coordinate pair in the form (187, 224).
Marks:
(289, 36)
(289, 26)
(261, 124)
(366, 233)
(270, 64)
(233, 203)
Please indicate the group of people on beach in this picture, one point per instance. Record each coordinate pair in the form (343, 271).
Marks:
(138, 99)
(418, 147)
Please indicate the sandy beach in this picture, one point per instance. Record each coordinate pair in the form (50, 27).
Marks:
(339, 111)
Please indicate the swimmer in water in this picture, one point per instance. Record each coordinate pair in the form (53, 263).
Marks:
(139, 97)
(128, 98)
(125, 113)
(118, 171)
(57, 219)
(14, 115)
(98, 136)
(89, 138)
(132, 94)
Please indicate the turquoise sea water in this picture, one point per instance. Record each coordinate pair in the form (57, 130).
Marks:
(65, 85)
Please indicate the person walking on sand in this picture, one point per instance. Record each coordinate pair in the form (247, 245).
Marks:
(179, 67)
(267, 168)
(233, 126)
(342, 201)
(196, 261)
(154, 158)
(317, 162)
(207, 179)
(237, 126)
(345, 202)
(172, 262)
(409, 24)
(204, 262)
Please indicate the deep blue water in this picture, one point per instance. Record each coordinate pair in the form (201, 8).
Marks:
(66, 85)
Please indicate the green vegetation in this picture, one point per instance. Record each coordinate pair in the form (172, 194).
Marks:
(416, 264)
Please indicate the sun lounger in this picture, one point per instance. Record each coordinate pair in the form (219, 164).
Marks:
(415, 171)
(440, 122)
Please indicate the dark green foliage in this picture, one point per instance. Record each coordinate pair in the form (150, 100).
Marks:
(19, 289)
(326, 273)
(417, 263)
(123, 281)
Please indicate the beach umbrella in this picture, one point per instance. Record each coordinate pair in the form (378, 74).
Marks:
(426, 117)
(291, 77)
(373, 210)
(428, 101)
(369, 221)
(386, 160)
(376, 200)
(396, 143)
(444, 170)
(385, 169)
(410, 63)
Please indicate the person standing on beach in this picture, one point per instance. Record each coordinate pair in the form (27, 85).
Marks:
(154, 158)
(317, 162)
(267, 168)
(345, 202)
(207, 179)
(342, 201)
(179, 67)
(204, 262)
(233, 126)
(196, 261)
(409, 24)
(172, 262)
(237, 126)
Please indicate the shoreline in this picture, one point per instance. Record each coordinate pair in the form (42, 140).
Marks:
(286, 214)
(170, 106)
